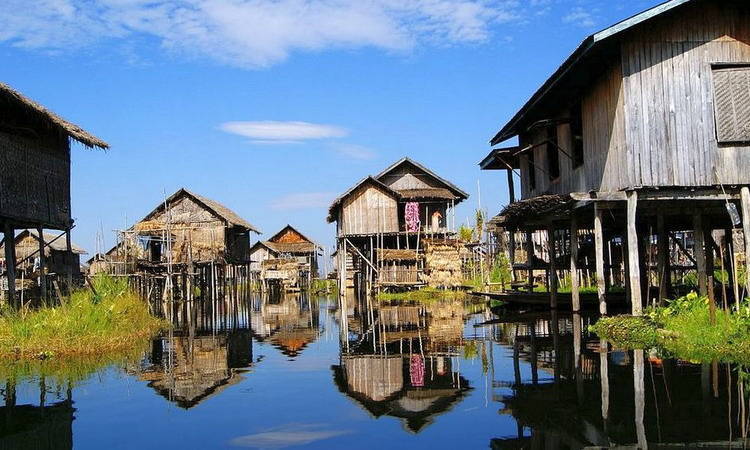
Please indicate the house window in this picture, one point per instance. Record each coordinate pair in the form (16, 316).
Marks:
(553, 154)
(576, 135)
(532, 171)
(732, 104)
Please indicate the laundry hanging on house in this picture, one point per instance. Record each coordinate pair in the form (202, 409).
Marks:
(416, 370)
(411, 216)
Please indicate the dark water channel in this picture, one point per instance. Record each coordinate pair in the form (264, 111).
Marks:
(281, 372)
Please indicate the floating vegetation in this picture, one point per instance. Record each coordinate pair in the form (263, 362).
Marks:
(684, 329)
(109, 320)
(423, 295)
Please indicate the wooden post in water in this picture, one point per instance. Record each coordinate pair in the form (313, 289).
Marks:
(552, 268)
(633, 257)
(575, 294)
(69, 260)
(745, 200)
(42, 266)
(10, 261)
(700, 253)
(599, 256)
(530, 260)
(708, 240)
(662, 259)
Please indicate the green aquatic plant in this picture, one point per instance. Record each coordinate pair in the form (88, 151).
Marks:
(684, 328)
(110, 318)
(423, 295)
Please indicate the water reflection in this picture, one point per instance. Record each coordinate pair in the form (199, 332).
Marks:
(331, 375)
(404, 360)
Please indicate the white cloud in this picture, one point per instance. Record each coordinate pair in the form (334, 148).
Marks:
(274, 132)
(252, 33)
(581, 17)
(355, 151)
(287, 436)
(303, 200)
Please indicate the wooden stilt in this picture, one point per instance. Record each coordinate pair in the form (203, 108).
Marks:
(42, 265)
(633, 257)
(700, 253)
(708, 240)
(69, 260)
(10, 261)
(745, 200)
(574, 288)
(530, 261)
(552, 268)
(662, 259)
(599, 254)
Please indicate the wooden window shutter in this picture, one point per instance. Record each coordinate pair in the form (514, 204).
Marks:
(732, 104)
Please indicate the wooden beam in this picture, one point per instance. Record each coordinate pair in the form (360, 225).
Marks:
(42, 265)
(700, 253)
(511, 187)
(662, 259)
(633, 256)
(552, 268)
(10, 261)
(745, 201)
(599, 256)
(574, 288)
(70, 259)
(530, 261)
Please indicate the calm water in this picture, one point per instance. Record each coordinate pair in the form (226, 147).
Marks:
(278, 373)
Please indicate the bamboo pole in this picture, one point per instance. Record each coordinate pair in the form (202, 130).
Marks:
(10, 261)
(575, 294)
(633, 256)
(552, 268)
(599, 253)
(745, 200)
(42, 265)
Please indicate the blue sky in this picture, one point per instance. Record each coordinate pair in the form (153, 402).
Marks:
(273, 107)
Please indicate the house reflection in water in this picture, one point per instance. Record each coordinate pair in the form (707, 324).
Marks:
(590, 396)
(403, 362)
(289, 322)
(209, 350)
(37, 426)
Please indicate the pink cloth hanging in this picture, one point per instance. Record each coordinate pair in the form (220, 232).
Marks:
(411, 216)
(416, 370)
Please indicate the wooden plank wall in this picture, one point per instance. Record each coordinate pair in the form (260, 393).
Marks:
(669, 109)
(369, 210)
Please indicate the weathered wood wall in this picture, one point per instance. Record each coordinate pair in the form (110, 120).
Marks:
(35, 180)
(369, 210)
(649, 120)
(407, 176)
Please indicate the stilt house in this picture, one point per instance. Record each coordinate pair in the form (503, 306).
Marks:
(288, 256)
(382, 223)
(191, 229)
(643, 132)
(35, 175)
(55, 253)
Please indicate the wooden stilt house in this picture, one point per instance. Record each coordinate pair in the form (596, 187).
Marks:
(185, 229)
(35, 175)
(288, 257)
(642, 134)
(384, 222)
(55, 254)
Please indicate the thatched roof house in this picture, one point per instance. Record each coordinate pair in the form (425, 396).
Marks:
(27, 248)
(35, 161)
(201, 229)
(287, 246)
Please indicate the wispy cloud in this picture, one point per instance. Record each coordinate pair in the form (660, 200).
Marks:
(580, 17)
(303, 200)
(354, 151)
(273, 132)
(252, 33)
(287, 436)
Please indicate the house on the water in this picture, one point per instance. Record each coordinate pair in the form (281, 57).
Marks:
(288, 257)
(35, 176)
(388, 224)
(58, 261)
(643, 132)
(185, 229)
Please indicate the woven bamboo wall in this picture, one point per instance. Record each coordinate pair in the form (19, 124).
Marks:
(442, 263)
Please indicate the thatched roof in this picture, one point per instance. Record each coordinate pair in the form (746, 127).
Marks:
(532, 208)
(291, 247)
(219, 210)
(58, 245)
(415, 194)
(72, 130)
(387, 254)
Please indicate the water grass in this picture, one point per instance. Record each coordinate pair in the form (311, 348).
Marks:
(109, 320)
(424, 295)
(684, 329)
